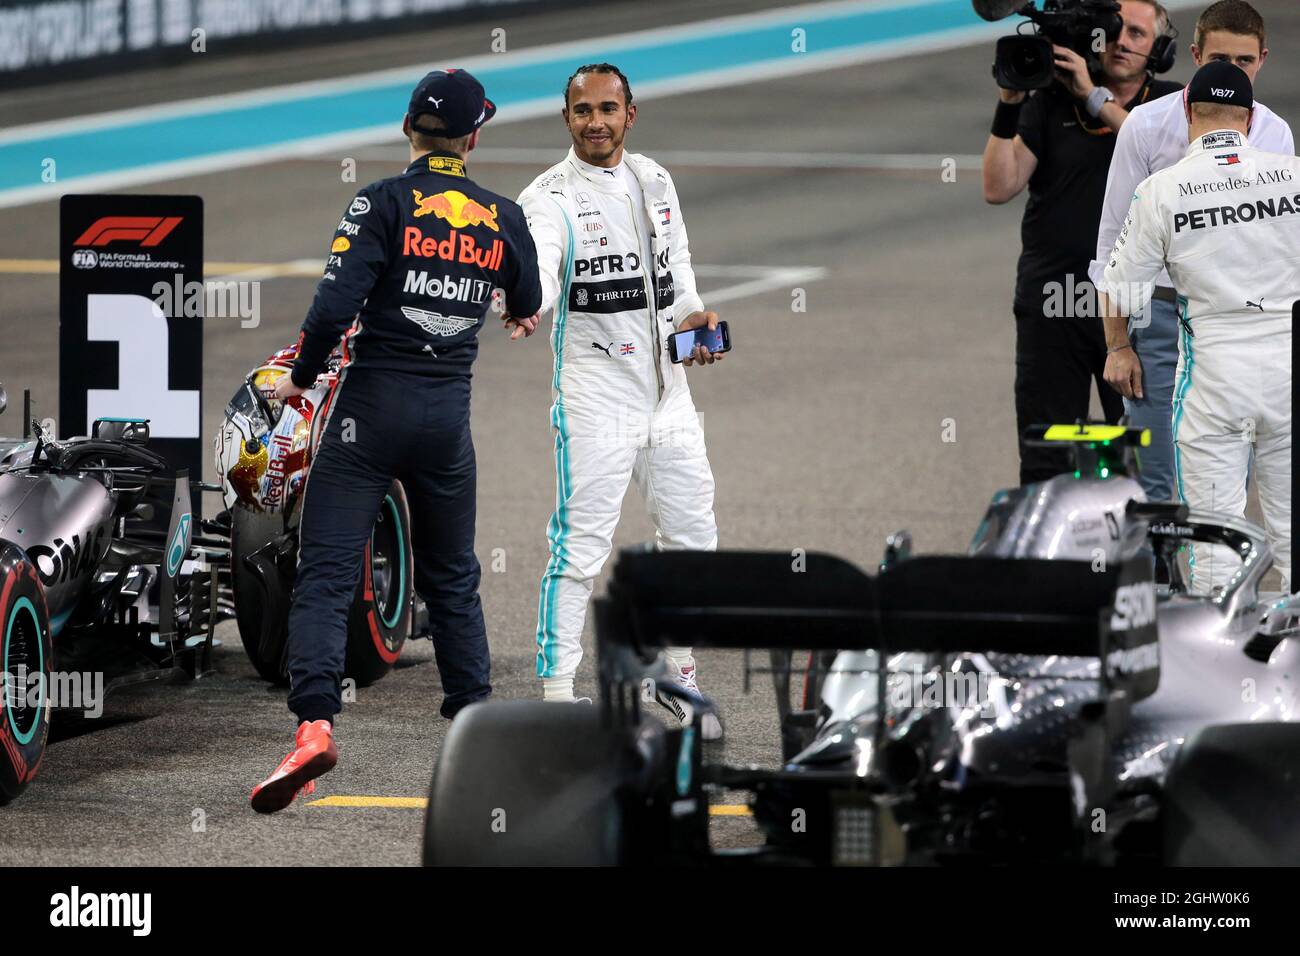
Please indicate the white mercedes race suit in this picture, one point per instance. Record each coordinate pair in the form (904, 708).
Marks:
(617, 269)
(1226, 221)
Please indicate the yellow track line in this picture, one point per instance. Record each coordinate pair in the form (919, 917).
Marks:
(407, 803)
(30, 266)
(419, 803)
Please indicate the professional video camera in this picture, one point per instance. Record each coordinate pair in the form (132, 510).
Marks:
(1025, 61)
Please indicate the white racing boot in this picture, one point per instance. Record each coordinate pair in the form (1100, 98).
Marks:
(684, 675)
(560, 690)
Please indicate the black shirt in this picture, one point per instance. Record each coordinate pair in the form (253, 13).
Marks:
(413, 263)
(1058, 235)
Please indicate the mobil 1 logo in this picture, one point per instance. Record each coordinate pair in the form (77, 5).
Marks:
(452, 288)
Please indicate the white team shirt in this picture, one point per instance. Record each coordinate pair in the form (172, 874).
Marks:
(1155, 137)
(1225, 220)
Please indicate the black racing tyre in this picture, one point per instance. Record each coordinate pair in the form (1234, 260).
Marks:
(529, 783)
(249, 531)
(380, 620)
(1232, 797)
(26, 651)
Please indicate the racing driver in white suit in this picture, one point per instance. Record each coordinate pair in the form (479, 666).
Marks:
(614, 263)
(1226, 220)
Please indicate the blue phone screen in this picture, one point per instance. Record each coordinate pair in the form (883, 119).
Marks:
(688, 340)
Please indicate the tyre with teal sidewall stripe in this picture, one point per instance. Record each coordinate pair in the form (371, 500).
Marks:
(26, 655)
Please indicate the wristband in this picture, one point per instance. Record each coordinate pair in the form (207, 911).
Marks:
(1098, 98)
(1118, 348)
(1006, 120)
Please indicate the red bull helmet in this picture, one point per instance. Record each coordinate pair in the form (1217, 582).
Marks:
(264, 446)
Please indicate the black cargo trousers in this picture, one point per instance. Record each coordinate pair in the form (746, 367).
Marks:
(416, 429)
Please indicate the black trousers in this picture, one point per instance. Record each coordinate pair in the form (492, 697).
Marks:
(387, 425)
(1057, 361)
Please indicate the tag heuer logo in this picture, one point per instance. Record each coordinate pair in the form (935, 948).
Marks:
(84, 258)
(435, 323)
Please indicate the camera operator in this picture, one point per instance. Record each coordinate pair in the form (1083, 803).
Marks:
(1058, 141)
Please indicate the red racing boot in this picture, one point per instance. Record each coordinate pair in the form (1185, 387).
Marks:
(313, 755)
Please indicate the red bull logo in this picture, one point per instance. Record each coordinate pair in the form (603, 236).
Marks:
(457, 208)
(456, 247)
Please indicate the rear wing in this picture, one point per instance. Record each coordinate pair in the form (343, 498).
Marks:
(929, 604)
(1100, 450)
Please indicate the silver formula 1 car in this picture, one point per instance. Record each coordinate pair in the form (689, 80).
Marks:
(1040, 698)
(95, 591)
(99, 590)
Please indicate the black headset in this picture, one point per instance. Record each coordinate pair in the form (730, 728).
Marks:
(1164, 50)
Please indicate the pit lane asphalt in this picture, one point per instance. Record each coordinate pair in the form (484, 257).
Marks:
(825, 428)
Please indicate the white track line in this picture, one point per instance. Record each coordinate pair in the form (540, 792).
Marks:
(755, 279)
(767, 279)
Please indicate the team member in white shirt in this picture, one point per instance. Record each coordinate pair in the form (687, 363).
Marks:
(1154, 137)
(1225, 221)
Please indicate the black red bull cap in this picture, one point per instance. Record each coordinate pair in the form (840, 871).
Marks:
(1221, 82)
(456, 98)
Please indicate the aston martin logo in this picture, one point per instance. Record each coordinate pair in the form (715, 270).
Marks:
(436, 323)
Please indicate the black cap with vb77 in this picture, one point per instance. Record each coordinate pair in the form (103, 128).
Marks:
(1221, 82)
(456, 98)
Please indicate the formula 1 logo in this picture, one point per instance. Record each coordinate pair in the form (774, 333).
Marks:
(148, 231)
(457, 208)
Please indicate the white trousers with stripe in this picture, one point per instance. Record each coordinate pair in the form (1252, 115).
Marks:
(1232, 420)
(670, 466)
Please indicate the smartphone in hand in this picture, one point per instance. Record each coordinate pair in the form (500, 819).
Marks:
(682, 344)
